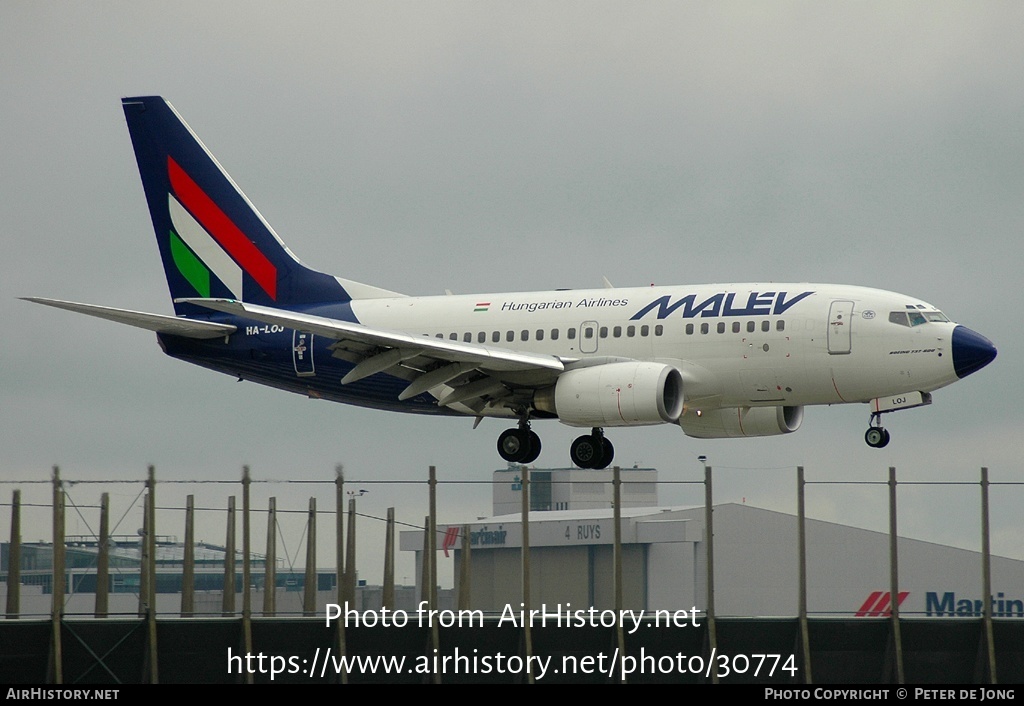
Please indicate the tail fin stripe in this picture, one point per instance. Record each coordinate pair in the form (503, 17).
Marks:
(189, 266)
(206, 250)
(223, 229)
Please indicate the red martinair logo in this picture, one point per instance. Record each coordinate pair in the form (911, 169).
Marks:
(450, 537)
(214, 243)
(878, 604)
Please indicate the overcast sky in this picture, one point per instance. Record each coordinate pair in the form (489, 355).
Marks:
(501, 146)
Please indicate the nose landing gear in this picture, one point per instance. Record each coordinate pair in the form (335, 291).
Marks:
(876, 436)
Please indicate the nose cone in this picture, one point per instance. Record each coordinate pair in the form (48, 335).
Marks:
(971, 351)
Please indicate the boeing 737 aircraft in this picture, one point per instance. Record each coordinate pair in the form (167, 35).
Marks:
(718, 360)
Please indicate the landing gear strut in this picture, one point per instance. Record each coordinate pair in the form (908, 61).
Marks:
(520, 445)
(592, 450)
(876, 436)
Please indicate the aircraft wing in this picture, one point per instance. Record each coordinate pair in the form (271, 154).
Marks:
(471, 374)
(160, 323)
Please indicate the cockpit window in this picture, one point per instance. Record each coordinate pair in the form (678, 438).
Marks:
(916, 318)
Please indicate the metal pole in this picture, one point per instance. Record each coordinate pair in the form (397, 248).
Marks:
(103, 560)
(151, 571)
(709, 541)
(350, 554)
(801, 523)
(340, 579)
(270, 565)
(228, 599)
(433, 538)
(57, 606)
(620, 634)
(525, 556)
(894, 579)
(14, 560)
(435, 633)
(465, 575)
(188, 563)
(986, 569)
(144, 575)
(309, 596)
(246, 573)
(388, 595)
(339, 532)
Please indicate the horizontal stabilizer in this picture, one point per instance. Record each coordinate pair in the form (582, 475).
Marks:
(160, 323)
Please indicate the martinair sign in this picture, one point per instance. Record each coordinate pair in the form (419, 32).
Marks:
(946, 604)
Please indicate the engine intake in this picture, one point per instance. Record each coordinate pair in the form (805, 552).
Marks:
(615, 395)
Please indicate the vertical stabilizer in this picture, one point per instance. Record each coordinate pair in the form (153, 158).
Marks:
(212, 240)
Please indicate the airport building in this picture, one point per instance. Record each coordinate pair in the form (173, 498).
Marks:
(665, 558)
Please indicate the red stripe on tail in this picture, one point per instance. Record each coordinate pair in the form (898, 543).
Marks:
(223, 229)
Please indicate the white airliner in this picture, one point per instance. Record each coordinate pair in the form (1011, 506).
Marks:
(718, 360)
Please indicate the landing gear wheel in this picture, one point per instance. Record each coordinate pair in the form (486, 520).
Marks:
(515, 445)
(592, 451)
(534, 448)
(876, 437)
(584, 451)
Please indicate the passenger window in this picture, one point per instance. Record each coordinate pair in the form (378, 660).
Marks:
(765, 325)
(704, 328)
(588, 333)
(540, 334)
(735, 326)
(481, 337)
(571, 334)
(440, 335)
(658, 330)
(554, 334)
(453, 336)
(524, 335)
(645, 330)
(721, 327)
(496, 337)
(780, 325)
(631, 331)
(510, 336)
(617, 332)
(750, 327)
(689, 329)
(604, 332)
(467, 337)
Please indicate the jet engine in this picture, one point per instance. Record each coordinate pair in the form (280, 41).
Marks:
(731, 422)
(615, 395)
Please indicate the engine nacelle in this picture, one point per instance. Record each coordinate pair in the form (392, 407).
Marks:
(732, 422)
(615, 395)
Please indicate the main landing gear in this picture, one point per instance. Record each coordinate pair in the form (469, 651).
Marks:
(876, 436)
(592, 450)
(520, 445)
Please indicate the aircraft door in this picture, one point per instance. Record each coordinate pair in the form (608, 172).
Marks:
(840, 318)
(302, 353)
(588, 337)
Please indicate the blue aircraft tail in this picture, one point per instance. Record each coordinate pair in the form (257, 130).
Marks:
(213, 241)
